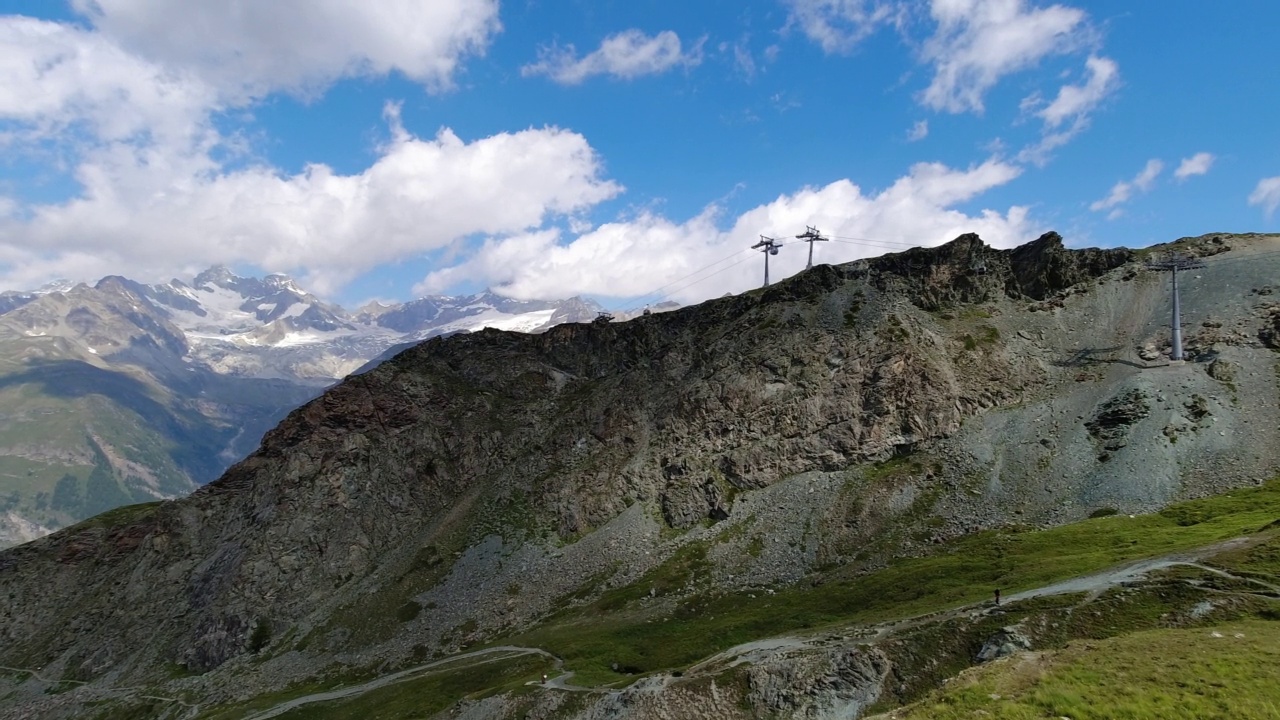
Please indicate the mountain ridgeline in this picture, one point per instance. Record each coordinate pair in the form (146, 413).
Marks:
(123, 392)
(487, 486)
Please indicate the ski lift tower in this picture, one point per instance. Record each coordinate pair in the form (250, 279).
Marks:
(811, 236)
(768, 246)
(1173, 265)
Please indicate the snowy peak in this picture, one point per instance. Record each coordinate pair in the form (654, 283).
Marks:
(220, 303)
(60, 285)
(437, 314)
(267, 327)
(218, 276)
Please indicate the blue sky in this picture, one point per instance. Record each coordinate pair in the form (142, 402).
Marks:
(387, 149)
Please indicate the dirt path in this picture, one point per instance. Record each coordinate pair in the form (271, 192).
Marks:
(1093, 584)
(502, 652)
(192, 709)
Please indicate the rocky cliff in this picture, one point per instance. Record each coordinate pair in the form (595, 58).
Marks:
(476, 484)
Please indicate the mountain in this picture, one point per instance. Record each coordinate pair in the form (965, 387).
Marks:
(835, 470)
(123, 392)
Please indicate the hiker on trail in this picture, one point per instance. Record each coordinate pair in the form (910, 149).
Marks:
(544, 678)
(997, 596)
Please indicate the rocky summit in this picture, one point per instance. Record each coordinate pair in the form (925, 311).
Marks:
(619, 505)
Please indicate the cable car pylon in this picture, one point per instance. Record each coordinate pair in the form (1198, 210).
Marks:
(768, 246)
(811, 236)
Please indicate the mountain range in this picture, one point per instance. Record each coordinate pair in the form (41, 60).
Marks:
(795, 502)
(122, 392)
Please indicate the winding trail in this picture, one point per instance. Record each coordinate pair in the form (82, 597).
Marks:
(502, 652)
(192, 708)
(1093, 585)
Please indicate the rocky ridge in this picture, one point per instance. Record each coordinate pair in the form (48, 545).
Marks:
(124, 392)
(394, 514)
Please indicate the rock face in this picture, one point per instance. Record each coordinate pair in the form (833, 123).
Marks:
(1004, 643)
(833, 684)
(841, 417)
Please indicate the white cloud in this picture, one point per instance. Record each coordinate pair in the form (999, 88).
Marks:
(1147, 177)
(127, 109)
(419, 195)
(628, 54)
(631, 258)
(918, 131)
(1077, 101)
(1073, 107)
(56, 79)
(978, 42)
(838, 25)
(251, 48)
(1266, 195)
(1197, 164)
(1123, 191)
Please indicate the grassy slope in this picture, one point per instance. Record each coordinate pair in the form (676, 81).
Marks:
(613, 630)
(617, 629)
(1231, 671)
(51, 426)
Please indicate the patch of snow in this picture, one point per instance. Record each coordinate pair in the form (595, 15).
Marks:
(95, 352)
(61, 285)
(295, 339)
(296, 309)
(224, 313)
(524, 322)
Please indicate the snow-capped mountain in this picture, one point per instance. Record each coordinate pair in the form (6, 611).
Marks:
(122, 392)
(271, 328)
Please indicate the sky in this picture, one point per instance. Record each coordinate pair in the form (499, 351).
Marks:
(627, 151)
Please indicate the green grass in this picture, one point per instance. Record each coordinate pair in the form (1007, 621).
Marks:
(1155, 675)
(615, 631)
(987, 337)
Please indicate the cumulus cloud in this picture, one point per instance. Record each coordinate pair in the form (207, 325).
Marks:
(1197, 164)
(631, 258)
(56, 78)
(419, 195)
(628, 54)
(1123, 191)
(918, 131)
(251, 48)
(128, 108)
(1266, 195)
(978, 42)
(839, 25)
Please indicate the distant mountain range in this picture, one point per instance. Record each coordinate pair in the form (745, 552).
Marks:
(125, 392)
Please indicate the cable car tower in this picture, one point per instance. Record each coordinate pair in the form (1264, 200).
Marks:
(811, 236)
(1173, 265)
(768, 246)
